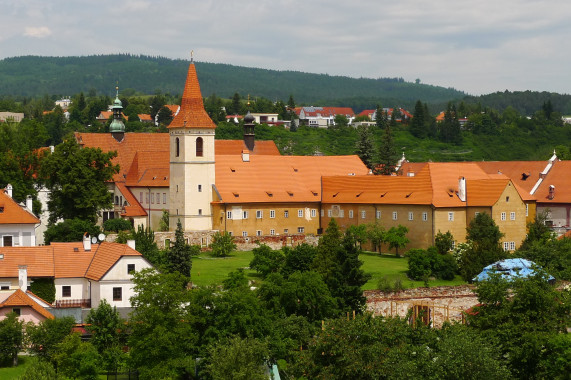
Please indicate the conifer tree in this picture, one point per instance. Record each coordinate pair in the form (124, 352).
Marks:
(417, 125)
(365, 147)
(388, 157)
(179, 255)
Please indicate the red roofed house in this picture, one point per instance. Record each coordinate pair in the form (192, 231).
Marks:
(322, 117)
(83, 273)
(17, 223)
(26, 304)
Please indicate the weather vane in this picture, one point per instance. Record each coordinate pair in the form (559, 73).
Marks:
(191, 55)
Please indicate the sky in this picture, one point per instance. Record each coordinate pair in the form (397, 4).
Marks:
(478, 47)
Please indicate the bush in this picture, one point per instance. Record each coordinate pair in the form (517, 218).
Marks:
(266, 260)
(222, 244)
(44, 288)
(385, 285)
(423, 264)
(70, 230)
(116, 225)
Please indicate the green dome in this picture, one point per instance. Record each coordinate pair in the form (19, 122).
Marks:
(117, 126)
(117, 103)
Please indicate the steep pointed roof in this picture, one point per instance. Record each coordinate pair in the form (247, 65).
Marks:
(192, 113)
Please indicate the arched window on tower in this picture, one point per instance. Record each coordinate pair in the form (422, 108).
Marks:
(199, 147)
(177, 148)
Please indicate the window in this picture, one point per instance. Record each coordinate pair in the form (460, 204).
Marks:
(450, 216)
(341, 213)
(199, 147)
(16, 311)
(350, 214)
(300, 230)
(410, 215)
(286, 231)
(300, 213)
(200, 188)
(329, 213)
(453, 244)
(245, 215)
(506, 246)
(259, 214)
(378, 214)
(130, 268)
(244, 233)
(66, 291)
(395, 215)
(363, 214)
(199, 211)
(286, 214)
(476, 213)
(272, 214)
(4, 287)
(177, 147)
(512, 215)
(228, 214)
(526, 210)
(165, 198)
(512, 245)
(117, 294)
(152, 198)
(259, 233)
(272, 232)
(424, 216)
(507, 199)
(503, 216)
(322, 212)
(313, 213)
(7, 240)
(140, 198)
(147, 198)
(230, 233)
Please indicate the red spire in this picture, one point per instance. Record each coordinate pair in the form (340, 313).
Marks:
(192, 113)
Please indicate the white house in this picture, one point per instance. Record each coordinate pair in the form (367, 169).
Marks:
(17, 223)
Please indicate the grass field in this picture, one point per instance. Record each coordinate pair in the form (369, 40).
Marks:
(8, 373)
(209, 270)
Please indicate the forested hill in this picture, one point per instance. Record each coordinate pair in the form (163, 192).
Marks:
(34, 76)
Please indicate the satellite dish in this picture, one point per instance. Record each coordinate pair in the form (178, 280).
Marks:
(101, 237)
(94, 240)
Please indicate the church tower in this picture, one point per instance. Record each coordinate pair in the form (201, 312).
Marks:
(192, 171)
(117, 128)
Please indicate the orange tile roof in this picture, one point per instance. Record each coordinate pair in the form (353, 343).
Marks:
(192, 113)
(40, 261)
(144, 117)
(133, 208)
(63, 260)
(368, 113)
(229, 147)
(522, 173)
(560, 177)
(279, 178)
(12, 213)
(484, 192)
(106, 257)
(175, 108)
(19, 298)
(149, 169)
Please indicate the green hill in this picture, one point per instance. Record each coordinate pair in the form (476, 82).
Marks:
(34, 76)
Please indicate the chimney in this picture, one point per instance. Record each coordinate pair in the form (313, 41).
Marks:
(551, 192)
(8, 190)
(52, 148)
(131, 244)
(245, 156)
(86, 242)
(29, 203)
(23, 277)
(462, 189)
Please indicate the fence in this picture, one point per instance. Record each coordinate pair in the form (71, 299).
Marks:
(83, 303)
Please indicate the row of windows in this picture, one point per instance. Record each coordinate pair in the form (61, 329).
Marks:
(503, 216)
(395, 215)
(260, 214)
(509, 245)
(300, 230)
(199, 147)
(155, 197)
(117, 292)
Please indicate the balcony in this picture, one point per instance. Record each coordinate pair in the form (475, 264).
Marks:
(62, 304)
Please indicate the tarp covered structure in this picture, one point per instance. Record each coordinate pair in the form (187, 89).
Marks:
(510, 269)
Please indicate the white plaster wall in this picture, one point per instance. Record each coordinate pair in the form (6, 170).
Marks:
(106, 292)
(23, 235)
(119, 271)
(79, 288)
(558, 215)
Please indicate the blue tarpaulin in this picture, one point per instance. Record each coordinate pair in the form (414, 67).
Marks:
(510, 269)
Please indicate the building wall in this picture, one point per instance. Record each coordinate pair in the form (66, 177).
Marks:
(265, 225)
(514, 227)
(79, 288)
(191, 179)
(457, 226)
(420, 231)
(557, 214)
(27, 314)
(23, 235)
(153, 200)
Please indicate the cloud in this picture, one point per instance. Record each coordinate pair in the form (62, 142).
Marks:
(37, 32)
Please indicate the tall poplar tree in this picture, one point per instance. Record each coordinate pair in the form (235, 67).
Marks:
(388, 157)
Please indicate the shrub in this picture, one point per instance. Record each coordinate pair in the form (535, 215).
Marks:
(116, 225)
(266, 260)
(419, 264)
(423, 264)
(44, 288)
(222, 244)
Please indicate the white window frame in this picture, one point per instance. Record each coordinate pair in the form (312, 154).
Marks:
(322, 213)
(425, 216)
(410, 215)
(378, 214)
(503, 216)
(259, 214)
(526, 209)
(228, 214)
(300, 213)
(286, 231)
(512, 245)
(363, 214)
(300, 230)
(165, 198)
(313, 213)
(245, 214)
(258, 232)
(286, 213)
(350, 214)
(512, 215)
(329, 213)
(451, 216)
(272, 232)
(244, 233)
(395, 215)
(506, 246)
(272, 214)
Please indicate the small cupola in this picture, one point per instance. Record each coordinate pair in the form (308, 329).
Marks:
(249, 136)
(117, 128)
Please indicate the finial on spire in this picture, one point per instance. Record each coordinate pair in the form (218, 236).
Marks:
(248, 100)
(192, 56)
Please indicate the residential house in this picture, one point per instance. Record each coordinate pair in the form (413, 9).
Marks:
(28, 306)
(17, 223)
(11, 117)
(322, 117)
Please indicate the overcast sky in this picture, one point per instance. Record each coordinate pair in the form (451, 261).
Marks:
(475, 46)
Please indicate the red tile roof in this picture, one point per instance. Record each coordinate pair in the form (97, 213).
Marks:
(145, 117)
(19, 298)
(560, 177)
(522, 173)
(63, 260)
(192, 113)
(12, 213)
(133, 208)
(279, 178)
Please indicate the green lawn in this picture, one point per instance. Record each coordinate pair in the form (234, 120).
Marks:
(7, 373)
(394, 267)
(208, 270)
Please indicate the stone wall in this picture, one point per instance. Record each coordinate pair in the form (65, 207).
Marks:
(443, 302)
